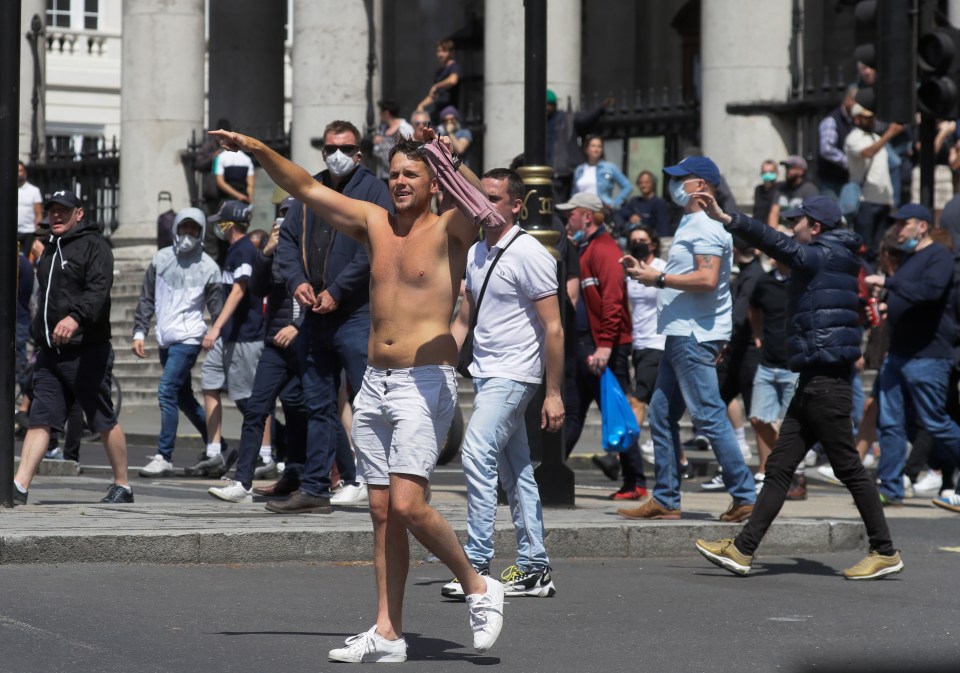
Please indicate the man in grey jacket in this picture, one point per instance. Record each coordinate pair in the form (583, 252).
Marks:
(180, 281)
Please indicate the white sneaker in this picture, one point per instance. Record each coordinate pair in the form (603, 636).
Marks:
(907, 487)
(869, 460)
(486, 615)
(745, 450)
(350, 494)
(929, 482)
(826, 471)
(810, 460)
(232, 492)
(646, 450)
(370, 646)
(758, 481)
(157, 467)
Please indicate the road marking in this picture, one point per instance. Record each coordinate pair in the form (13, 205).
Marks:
(36, 631)
(792, 618)
(955, 550)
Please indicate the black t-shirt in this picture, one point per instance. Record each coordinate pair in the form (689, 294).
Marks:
(246, 323)
(770, 298)
(450, 95)
(763, 200)
(792, 197)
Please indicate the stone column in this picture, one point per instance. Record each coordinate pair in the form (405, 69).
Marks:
(563, 50)
(161, 103)
(743, 61)
(29, 9)
(503, 66)
(329, 71)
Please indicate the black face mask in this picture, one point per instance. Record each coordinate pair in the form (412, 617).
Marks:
(640, 250)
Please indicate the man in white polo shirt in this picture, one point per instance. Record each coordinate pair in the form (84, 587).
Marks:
(517, 333)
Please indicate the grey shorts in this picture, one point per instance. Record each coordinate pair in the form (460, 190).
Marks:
(401, 418)
(231, 367)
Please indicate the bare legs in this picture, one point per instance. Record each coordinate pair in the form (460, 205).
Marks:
(37, 439)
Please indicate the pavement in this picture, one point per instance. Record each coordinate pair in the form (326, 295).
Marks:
(175, 521)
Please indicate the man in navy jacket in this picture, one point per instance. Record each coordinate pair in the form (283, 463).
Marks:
(329, 275)
(823, 343)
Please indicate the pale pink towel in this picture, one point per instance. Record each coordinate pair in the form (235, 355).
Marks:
(454, 186)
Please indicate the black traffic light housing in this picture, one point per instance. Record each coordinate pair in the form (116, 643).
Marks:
(938, 64)
(886, 41)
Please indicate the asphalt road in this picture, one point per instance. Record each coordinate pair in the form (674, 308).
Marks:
(668, 615)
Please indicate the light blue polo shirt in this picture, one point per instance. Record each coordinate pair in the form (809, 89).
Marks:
(708, 316)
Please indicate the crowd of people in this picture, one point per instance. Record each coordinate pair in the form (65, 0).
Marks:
(343, 313)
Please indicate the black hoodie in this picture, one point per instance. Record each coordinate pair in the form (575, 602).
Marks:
(75, 275)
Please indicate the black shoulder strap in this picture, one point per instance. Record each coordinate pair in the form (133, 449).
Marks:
(486, 279)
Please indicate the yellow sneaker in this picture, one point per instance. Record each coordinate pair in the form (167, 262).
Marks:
(874, 567)
(726, 555)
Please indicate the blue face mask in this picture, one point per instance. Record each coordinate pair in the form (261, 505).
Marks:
(578, 236)
(768, 176)
(678, 193)
(909, 245)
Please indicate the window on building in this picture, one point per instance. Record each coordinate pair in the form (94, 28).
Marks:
(91, 14)
(75, 14)
(58, 13)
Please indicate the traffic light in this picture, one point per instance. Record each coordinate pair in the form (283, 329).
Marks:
(938, 61)
(886, 41)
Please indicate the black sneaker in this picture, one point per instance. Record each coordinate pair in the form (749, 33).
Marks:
(19, 497)
(715, 484)
(609, 464)
(697, 443)
(203, 464)
(265, 470)
(118, 494)
(452, 589)
(228, 459)
(537, 583)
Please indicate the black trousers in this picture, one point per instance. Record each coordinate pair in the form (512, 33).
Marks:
(819, 412)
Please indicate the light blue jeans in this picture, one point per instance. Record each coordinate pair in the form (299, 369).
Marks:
(913, 392)
(687, 379)
(496, 441)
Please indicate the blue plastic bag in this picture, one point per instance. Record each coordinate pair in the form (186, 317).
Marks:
(617, 422)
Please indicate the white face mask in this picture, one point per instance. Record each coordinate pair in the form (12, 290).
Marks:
(678, 193)
(184, 244)
(340, 164)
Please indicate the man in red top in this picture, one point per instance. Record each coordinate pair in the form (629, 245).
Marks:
(603, 334)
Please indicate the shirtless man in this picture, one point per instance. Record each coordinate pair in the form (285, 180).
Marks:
(406, 404)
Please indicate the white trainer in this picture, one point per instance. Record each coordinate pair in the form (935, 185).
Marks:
(232, 492)
(370, 646)
(157, 467)
(810, 459)
(350, 494)
(745, 451)
(826, 471)
(929, 482)
(647, 451)
(486, 615)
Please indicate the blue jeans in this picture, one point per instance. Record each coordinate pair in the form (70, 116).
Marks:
(496, 440)
(327, 345)
(688, 380)
(278, 374)
(913, 393)
(175, 393)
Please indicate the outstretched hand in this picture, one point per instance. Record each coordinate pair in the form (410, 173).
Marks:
(233, 141)
(709, 205)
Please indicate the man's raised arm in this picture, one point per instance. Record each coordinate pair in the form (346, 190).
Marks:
(343, 213)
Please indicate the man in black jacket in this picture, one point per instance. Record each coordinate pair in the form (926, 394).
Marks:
(823, 343)
(72, 333)
(329, 275)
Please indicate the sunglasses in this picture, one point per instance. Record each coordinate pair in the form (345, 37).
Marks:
(349, 150)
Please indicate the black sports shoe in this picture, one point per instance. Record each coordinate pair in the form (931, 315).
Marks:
(19, 497)
(265, 470)
(537, 583)
(229, 459)
(697, 443)
(118, 494)
(609, 464)
(453, 589)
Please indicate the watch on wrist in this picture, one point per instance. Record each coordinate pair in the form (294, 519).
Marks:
(457, 161)
(661, 281)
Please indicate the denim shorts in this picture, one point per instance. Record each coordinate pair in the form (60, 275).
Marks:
(773, 389)
(401, 418)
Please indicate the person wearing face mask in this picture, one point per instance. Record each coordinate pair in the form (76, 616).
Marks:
(328, 274)
(765, 200)
(823, 344)
(695, 314)
(916, 371)
(180, 282)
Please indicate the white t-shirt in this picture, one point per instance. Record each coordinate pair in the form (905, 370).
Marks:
(878, 188)
(643, 308)
(587, 182)
(27, 196)
(508, 340)
(227, 160)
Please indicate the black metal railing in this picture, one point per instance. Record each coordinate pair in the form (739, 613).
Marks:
(92, 171)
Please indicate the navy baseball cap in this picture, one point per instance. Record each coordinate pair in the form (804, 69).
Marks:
(287, 203)
(63, 197)
(822, 209)
(232, 211)
(912, 210)
(701, 167)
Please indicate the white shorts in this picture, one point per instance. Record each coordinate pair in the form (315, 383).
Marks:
(401, 418)
(231, 366)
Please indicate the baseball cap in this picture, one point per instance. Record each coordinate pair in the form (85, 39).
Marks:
(287, 203)
(701, 167)
(551, 97)
(64, 197)
(189, 215)
(823, 209)
(582, 200)
(912, 210)
(794, 161)
(232, 211)
(859, 111)
(450, 111)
